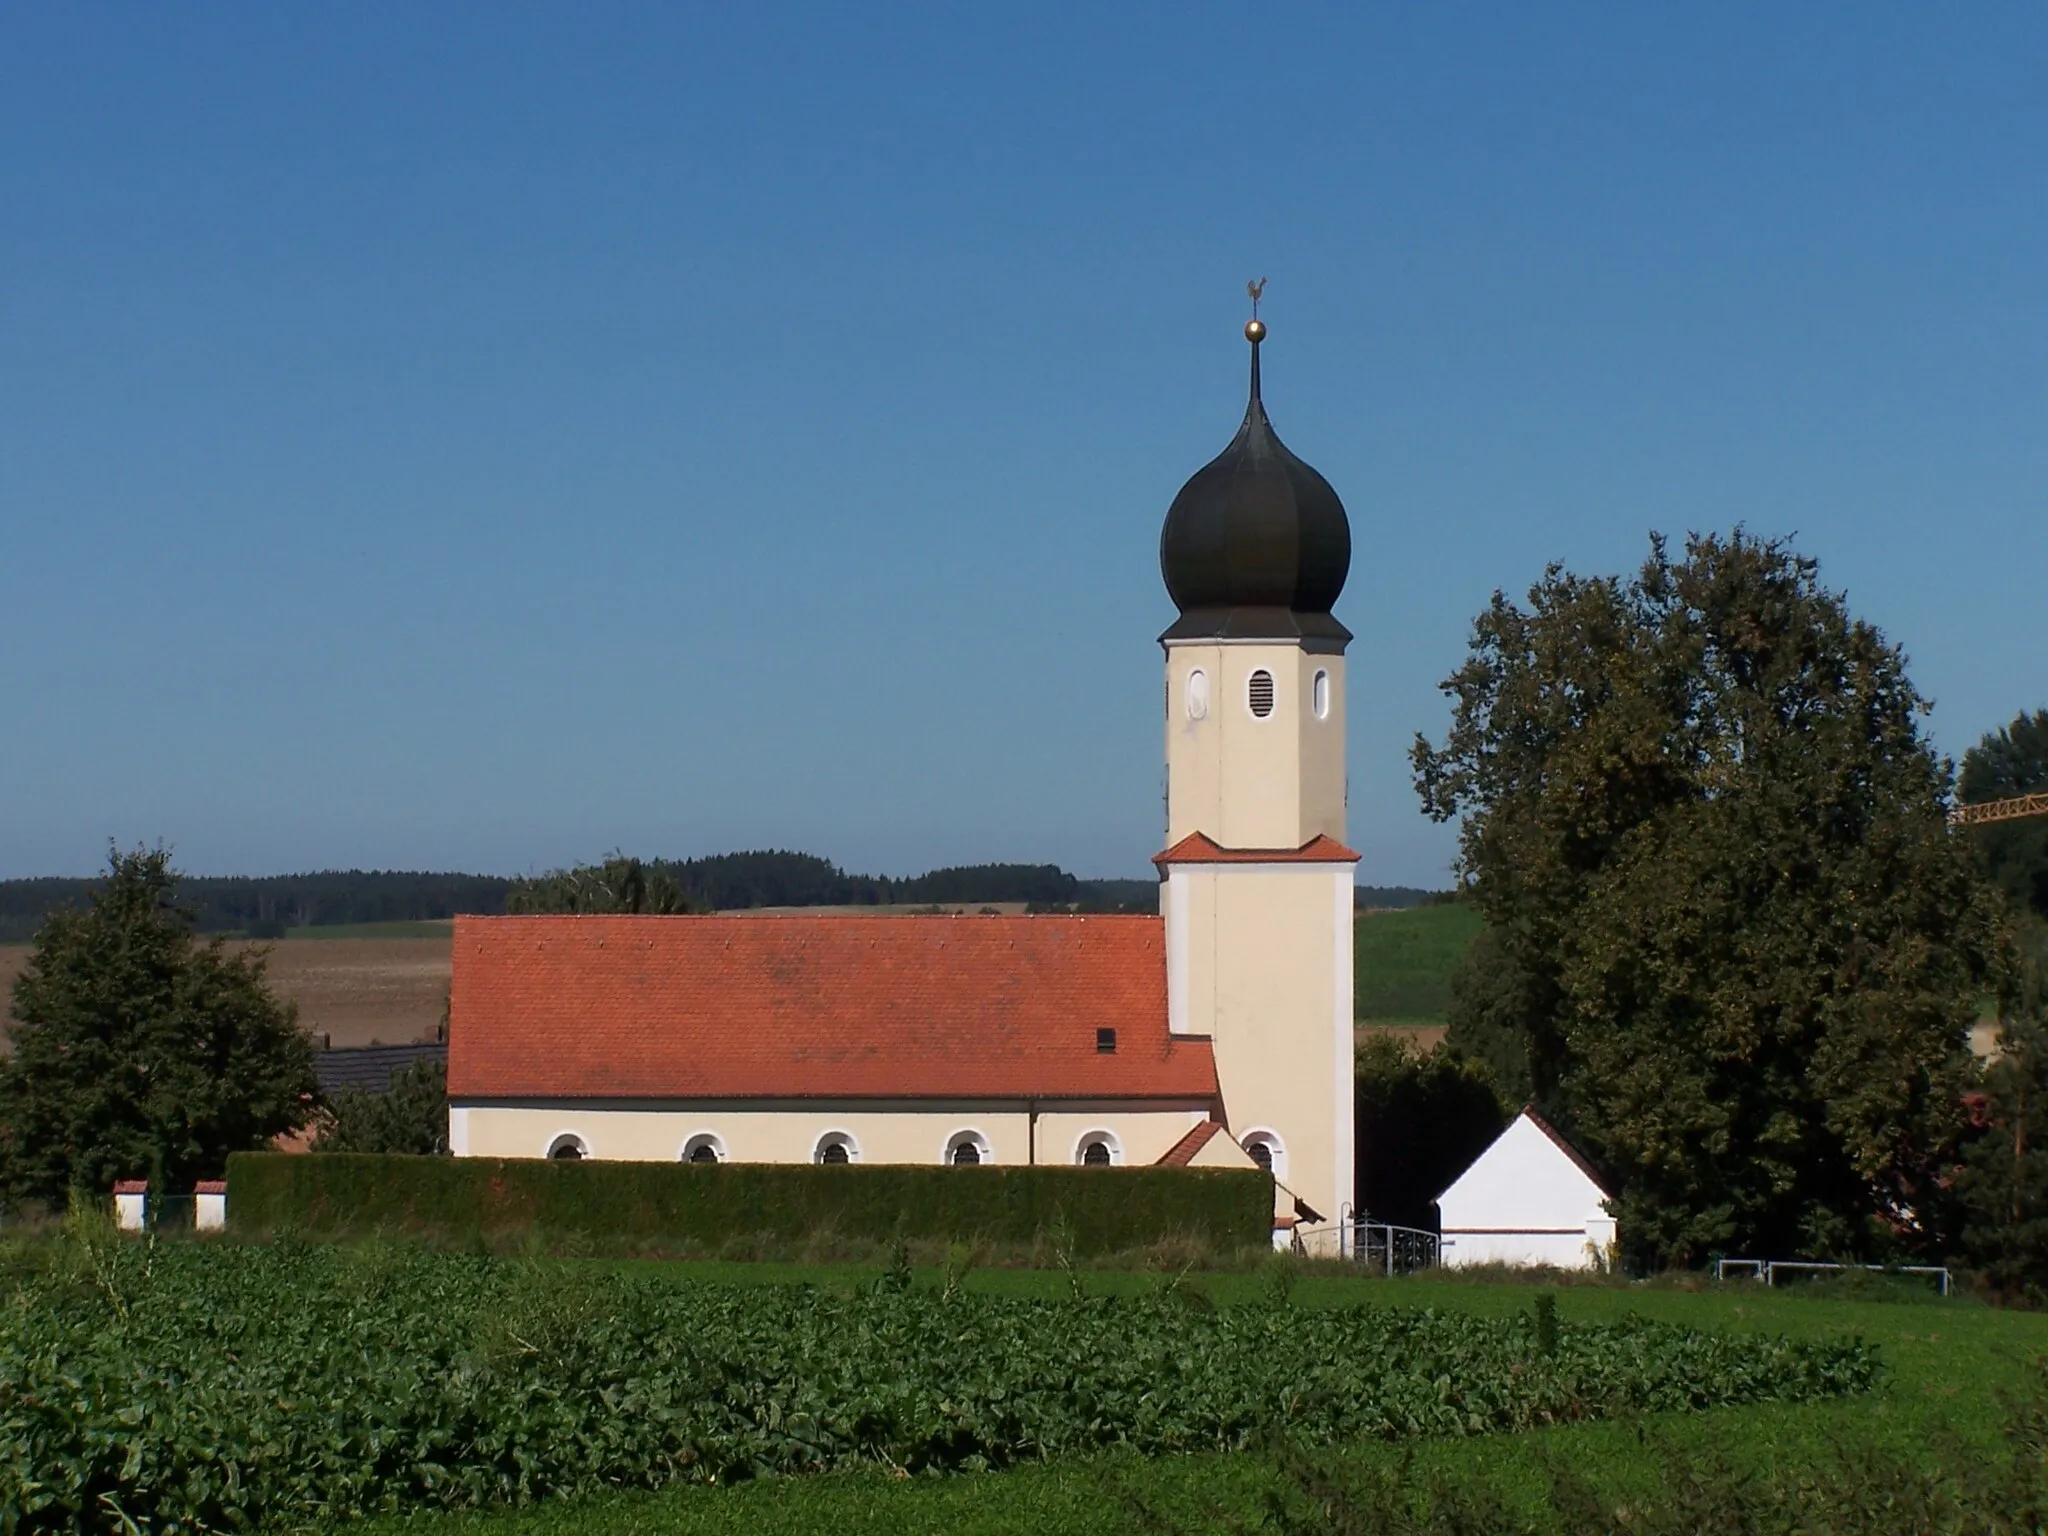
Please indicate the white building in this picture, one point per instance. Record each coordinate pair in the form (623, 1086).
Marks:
(1529, 1199)
(1218, 1032)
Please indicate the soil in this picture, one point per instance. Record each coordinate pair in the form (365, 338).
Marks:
(354, 991)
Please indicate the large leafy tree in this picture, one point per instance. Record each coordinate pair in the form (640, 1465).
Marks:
(1732, 937)
(618, 885)
(138, 1050)
(2012, 760)
(2005, 1185)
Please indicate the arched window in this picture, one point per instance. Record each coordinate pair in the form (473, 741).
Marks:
(568, 1148)
(1198, 695)
(836, 1147)
(1322, 695)
(1267, 1150)
(1098, 1149)
(704, 1147)
(968, 1149)
(1258, 693)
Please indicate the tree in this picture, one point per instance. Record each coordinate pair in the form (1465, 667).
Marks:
(1739, 947)
(1493, 1016)
(1422, 1118)
(618, 885)
(2004, 1185)
(2008, 762)
(140, 1052)
(412, 1116)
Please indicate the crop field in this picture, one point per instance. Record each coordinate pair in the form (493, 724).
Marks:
(1404, 962)
(356, 990)
(1948, 1369)
(211, 1384)
(386, 982)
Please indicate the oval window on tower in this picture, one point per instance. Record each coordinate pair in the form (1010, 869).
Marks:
(1322, 695)
(1259, 693)
(1198, 695)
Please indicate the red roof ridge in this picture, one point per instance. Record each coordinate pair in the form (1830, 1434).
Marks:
(131, 1186)
(1200, 848)
(1182, 1152)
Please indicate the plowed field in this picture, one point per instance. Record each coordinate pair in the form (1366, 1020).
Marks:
(357, 991)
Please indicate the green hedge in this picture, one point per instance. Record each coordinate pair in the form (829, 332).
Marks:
(704, 1206)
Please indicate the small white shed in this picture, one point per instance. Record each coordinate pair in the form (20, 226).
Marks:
(1528, 1199)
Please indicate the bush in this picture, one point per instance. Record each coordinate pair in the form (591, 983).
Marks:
(410, 1116)
(625, 1206)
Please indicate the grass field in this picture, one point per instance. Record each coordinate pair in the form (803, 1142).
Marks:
(1405, 961)
(1949, 1362)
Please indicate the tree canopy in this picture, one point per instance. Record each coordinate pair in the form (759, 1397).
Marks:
(618, 885)
(140, 1052)
(2010, 761)
(2004, 1186)
(1732, 943)
(266, 906)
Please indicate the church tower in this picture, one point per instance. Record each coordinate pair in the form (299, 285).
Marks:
(1256, 881)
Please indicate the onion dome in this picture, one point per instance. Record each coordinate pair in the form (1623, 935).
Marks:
(1256, 545)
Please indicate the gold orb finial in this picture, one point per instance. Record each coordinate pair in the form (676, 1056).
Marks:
(1255, 331)
(1255, 328)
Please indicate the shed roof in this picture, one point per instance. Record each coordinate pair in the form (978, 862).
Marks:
(1500, 1147)
(816, 1007)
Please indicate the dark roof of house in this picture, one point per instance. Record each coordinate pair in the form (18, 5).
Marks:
(369, 1068)
(816, 1007)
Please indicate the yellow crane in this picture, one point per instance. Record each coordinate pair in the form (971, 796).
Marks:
(1987, 811)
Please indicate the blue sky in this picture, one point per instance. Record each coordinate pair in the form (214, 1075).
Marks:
(483, 436)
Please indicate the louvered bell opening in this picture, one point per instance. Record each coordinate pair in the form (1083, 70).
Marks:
(1260, 692)
(1105, 1041)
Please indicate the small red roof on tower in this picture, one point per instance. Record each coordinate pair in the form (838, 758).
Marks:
(816, 1007)
(1199, 848)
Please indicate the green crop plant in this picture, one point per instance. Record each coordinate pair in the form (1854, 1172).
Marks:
(201, 1386)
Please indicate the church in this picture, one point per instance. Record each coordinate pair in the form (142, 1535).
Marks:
(1215, 1034)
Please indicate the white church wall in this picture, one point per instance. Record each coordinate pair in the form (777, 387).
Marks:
(913, 1132)
(1524, 1201)
(1247, 781)
(1265, 961)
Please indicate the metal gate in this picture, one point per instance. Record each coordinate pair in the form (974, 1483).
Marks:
(1384, 1247)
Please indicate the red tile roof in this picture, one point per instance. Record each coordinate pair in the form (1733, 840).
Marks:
(1182, 1152)
(815, 1007)
(1198, 848)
